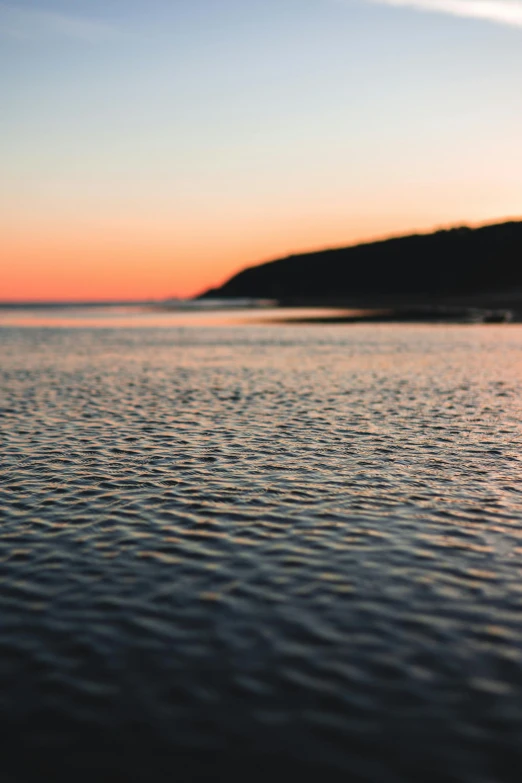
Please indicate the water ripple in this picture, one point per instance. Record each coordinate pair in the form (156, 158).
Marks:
(259, 550)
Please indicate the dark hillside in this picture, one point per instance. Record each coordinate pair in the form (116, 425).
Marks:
(455, 262)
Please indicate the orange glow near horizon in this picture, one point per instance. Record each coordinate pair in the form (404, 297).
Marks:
(138, 262)
(153, 150)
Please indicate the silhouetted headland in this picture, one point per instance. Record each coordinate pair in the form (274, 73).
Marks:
(421, 276)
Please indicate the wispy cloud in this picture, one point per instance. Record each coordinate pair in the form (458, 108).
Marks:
(36, 24)
(501, 11)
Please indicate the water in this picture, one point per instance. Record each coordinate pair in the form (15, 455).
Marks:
(236, 551)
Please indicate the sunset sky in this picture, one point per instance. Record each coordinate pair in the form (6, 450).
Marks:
(151, 148)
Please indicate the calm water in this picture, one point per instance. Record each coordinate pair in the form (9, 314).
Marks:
(240, 552)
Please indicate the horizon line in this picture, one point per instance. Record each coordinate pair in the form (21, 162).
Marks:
(78, 301)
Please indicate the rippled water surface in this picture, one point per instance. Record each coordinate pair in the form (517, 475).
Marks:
(248, 551)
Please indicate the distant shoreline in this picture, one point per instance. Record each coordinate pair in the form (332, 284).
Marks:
(291, 312)
(435, 316)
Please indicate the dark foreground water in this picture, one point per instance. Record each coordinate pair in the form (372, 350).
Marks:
(251, 552)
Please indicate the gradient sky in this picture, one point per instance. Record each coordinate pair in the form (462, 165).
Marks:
(154, 147)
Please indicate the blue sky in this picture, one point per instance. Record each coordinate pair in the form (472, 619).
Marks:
(201, 135)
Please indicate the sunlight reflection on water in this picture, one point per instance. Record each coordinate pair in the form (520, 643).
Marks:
(157, 317)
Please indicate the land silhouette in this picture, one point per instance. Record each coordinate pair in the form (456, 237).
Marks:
(460, 266)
